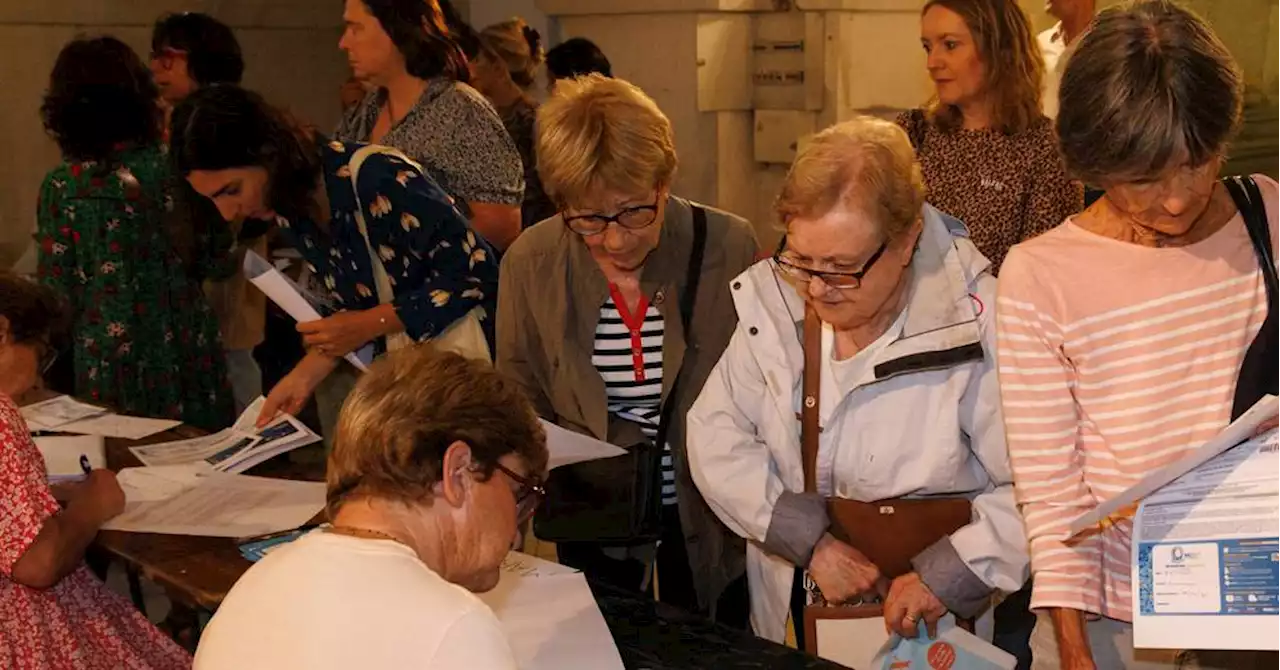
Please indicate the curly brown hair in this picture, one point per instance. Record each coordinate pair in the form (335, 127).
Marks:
(100, 96)
(1011, 59)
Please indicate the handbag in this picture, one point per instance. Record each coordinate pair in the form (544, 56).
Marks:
(618, 501)
(888, 532)
(1257, 377)
(464, 336)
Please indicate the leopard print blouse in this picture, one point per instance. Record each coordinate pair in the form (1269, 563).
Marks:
(1006, 188)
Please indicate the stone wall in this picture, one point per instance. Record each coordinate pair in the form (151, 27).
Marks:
(291, 57)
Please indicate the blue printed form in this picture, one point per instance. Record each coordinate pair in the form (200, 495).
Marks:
(1206, 573)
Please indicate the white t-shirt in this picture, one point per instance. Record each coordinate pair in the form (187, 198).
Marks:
(334, 601)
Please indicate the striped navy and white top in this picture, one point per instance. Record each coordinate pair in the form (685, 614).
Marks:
(628, 356)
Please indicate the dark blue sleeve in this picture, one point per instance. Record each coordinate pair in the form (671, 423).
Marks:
(458, 270)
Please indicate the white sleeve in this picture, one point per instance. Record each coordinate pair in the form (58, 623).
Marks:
(474, 642)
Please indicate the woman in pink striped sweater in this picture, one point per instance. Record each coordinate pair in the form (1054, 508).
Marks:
(1121, 332)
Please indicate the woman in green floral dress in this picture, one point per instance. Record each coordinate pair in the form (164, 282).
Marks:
(145, 341)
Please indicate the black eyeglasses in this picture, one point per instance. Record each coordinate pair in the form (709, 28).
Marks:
(528, 496)
(831, 278)
(631, 218)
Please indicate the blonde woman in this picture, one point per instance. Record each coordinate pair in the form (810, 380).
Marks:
(591, 321)
(505, 69)
(904, 299)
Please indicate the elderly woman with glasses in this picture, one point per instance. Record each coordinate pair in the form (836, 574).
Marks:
(438, 460)
(1137, 330)
(55, 613)
(590, 323)
(908, 404)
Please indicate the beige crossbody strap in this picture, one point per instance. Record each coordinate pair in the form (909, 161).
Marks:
(380, 278)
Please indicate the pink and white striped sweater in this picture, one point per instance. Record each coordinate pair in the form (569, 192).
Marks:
(1114, 360)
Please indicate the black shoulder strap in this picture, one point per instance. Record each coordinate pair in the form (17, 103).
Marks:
(1248, 198)
(687, 299)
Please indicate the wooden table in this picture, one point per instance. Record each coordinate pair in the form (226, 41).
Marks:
(198, 572)
(195, 571)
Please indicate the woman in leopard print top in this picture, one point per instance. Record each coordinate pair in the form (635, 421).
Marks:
(989, 156)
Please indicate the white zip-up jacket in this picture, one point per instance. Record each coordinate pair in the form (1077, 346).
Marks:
(920, 416)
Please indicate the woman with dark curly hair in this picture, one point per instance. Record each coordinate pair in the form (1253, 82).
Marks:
(987, 152)
(145, 340)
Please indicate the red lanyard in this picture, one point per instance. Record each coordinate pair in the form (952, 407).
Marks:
(634, 323)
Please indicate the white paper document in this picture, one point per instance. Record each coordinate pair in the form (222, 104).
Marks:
(159, 482)
(117, 425)
(1205, 552)
(235, 449)
(286, 294)
(62, 455)
(567, 447)
(225, 505)
(551, 618)
(55, 412)
(1240, 430)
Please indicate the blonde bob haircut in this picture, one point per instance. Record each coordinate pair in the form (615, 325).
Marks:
(865, 164)
(596, 133)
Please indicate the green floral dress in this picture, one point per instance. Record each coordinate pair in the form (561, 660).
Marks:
(145, 340)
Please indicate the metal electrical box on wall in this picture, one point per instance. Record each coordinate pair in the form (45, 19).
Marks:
(787, 60)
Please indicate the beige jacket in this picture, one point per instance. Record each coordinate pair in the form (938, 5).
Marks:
(549, 298)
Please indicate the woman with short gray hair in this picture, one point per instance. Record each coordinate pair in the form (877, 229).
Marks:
(1133, 332)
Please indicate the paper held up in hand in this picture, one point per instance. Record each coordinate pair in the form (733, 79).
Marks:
(1204, 554)
(567, 447)
(235, 449)
(181, 500)
(287, 295)
(1240, 430)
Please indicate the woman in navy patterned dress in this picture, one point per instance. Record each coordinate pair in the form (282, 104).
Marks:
(252, 162)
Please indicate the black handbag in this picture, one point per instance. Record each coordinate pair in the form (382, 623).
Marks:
(1257, 377)
(618, 501)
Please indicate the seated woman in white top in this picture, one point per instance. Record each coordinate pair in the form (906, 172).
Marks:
(437, 460)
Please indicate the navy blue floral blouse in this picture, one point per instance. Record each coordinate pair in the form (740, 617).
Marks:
(439, 268)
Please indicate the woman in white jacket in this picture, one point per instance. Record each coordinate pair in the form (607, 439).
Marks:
(909, 404)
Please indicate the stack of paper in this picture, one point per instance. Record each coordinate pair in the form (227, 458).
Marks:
(550, 616)
(63, 455)
(235, 449)
(65, 414)
(185, 501)
(59, 411)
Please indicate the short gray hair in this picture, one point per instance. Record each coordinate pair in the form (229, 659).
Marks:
(1149, 87)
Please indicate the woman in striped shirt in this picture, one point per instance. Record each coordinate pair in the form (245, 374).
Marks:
(1122, 331)
(589, 321)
